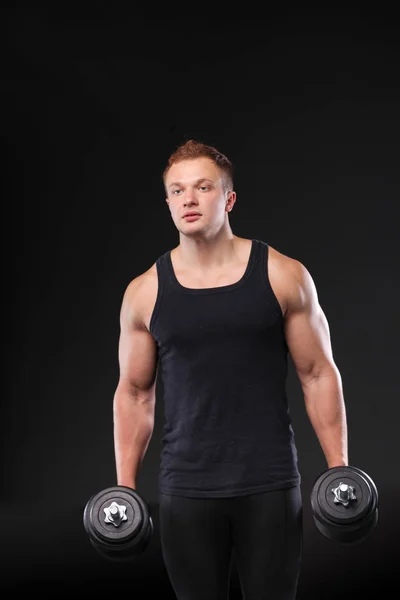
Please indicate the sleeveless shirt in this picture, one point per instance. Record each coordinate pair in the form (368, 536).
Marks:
(223, 362)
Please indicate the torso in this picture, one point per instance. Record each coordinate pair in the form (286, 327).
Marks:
(276, 273)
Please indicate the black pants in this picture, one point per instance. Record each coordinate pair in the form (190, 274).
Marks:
(262, 533)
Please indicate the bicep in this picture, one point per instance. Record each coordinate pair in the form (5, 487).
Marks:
(137, 349)
(306, 328)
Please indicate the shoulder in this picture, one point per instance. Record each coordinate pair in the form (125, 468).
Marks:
(287, 266)
(292, 278)
(139, 292)
(141, 282)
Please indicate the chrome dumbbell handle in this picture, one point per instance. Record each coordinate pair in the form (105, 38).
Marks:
(115, 514)
(344, 494)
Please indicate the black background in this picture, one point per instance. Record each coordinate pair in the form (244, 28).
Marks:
(307, 108)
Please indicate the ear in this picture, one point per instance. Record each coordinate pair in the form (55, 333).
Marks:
(232, 197)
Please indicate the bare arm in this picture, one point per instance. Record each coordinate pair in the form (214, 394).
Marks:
(308, 338)
(134, 398)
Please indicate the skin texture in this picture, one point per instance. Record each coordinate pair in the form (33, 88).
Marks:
(210, 255)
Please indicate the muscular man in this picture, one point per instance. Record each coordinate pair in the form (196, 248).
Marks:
(219, 314)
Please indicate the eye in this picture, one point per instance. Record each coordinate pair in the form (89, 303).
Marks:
(204, 187)
(174, 191)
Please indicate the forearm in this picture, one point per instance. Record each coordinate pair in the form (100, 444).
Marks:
(323, 396)
(133, 428)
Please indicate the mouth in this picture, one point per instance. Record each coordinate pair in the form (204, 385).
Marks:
(192, 216)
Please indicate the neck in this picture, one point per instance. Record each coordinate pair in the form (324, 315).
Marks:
(205, 254)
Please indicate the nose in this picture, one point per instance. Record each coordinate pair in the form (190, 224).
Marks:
(190, 197)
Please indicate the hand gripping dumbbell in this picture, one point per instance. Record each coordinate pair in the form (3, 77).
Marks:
(118, 523)
(344, 502)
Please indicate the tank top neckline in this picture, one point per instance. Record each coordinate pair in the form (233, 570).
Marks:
(213, 290)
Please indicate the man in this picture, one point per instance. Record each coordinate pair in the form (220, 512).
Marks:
(219, 314)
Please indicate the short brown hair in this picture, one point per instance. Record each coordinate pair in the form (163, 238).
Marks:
(192, 149)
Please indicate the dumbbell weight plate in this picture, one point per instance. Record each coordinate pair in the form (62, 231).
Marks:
(323, 496)
(128, 537)
(353, 533)
(336, 520)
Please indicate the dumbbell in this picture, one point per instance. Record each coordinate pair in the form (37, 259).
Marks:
(344, 502)
(118, 523)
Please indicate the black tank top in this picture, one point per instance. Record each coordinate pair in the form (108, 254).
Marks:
(223, 364)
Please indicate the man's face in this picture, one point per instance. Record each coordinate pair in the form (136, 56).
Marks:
(197, 185)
